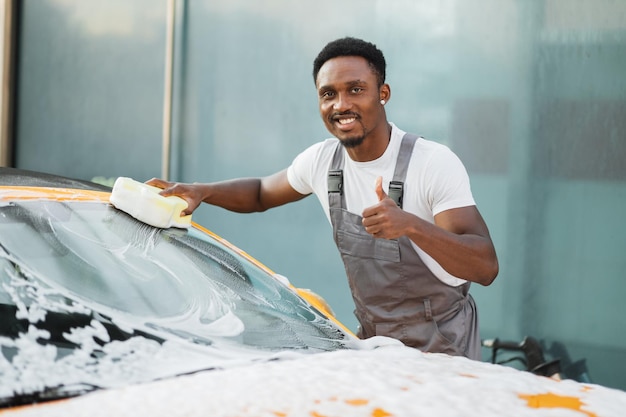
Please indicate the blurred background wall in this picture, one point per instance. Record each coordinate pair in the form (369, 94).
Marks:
(531, 94)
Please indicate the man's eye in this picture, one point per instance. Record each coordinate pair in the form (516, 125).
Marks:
(327, 94)
(357, 90)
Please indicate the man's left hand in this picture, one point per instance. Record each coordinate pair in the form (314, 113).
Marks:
(384, 220)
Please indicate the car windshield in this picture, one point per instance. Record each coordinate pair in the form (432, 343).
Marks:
(90, 297)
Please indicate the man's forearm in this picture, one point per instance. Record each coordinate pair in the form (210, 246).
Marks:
(467, 256)
(239, 195)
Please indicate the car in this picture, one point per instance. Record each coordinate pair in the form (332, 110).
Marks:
(105, 315)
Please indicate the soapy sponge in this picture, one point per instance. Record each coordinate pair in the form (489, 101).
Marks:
(144, 203)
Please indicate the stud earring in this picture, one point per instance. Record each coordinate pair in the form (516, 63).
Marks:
(382, 102)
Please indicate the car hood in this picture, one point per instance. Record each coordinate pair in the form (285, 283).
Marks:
(379, 378)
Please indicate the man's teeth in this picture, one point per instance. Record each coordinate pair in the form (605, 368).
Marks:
(346, 121)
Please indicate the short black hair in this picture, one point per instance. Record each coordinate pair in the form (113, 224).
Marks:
(349, 46)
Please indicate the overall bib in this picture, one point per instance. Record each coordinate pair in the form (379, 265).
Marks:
(395, 294)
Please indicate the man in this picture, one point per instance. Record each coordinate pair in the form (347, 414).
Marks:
(409, 259)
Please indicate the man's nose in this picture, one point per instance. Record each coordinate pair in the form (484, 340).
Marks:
(342, 103)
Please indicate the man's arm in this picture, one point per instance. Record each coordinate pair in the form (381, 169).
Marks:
(243, 195)
(459, 240)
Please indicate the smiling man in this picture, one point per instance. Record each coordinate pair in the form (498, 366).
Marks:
(403, 215)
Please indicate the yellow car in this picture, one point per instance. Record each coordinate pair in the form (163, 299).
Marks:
(105, 315)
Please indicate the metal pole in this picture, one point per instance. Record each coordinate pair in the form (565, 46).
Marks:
(7, 20)
(167, 99)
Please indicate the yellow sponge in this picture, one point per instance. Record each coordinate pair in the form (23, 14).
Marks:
(144, 203)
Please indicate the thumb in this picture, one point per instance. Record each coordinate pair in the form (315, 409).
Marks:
(159, 183)
(379, 189)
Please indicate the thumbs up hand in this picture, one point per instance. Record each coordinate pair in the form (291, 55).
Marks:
(379, 189)
(384, 220)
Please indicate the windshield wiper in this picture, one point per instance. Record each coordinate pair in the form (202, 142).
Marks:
(48, 394)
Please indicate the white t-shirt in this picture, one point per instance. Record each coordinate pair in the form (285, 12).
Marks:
(436, 181)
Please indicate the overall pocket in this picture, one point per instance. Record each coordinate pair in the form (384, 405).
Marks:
(365, 246)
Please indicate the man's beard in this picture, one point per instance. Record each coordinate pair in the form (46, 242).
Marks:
(352, 142)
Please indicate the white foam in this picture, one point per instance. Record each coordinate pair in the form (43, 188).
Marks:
(392, 381)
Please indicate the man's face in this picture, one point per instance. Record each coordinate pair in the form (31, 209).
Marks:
(349, 99)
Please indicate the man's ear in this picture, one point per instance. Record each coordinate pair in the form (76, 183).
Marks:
(385, 93)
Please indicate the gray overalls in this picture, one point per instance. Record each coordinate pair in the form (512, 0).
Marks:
(395, 294)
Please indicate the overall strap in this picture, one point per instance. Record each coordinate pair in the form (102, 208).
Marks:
(336, 197)
(396, 186)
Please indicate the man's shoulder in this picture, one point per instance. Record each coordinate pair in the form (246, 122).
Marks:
(421, 139)
(323, 147)
(317, 156)
(430, 154)
(426, 148)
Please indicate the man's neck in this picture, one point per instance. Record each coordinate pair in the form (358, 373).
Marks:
(373, 147)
